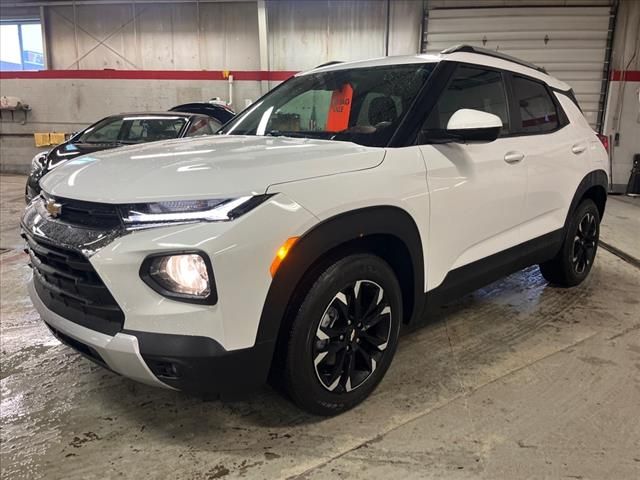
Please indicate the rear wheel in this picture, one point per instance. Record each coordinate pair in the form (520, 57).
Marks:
(574, 261)
(344, 335)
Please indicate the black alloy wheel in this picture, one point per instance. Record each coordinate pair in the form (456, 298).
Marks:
(352, 336)
(343, 334)
(584, 243)
(573, 262)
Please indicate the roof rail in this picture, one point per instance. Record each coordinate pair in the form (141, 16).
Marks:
(333, 62)
(491, 53)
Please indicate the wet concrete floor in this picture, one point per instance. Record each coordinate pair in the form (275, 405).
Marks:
(517, 380)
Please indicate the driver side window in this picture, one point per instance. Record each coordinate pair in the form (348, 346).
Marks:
(470, 87)
(305, 112)
(104, 133)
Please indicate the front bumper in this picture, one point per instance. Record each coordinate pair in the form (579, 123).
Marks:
(160, 341)
(180, 362)
(120, 353)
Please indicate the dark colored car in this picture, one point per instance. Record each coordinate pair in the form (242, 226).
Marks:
(116, 131)
(220, 112)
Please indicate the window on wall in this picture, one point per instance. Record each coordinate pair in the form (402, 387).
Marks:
(21, 45)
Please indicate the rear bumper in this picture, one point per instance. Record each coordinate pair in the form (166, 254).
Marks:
(180, 362)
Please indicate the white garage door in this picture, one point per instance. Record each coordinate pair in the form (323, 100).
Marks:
(570, 42)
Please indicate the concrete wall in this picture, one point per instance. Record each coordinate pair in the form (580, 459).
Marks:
(68, 105)
(225, 36)
(304, 34)
(187, 36)
(180, 36)
(622, 121)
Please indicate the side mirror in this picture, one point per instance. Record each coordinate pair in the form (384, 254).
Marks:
(467, 125)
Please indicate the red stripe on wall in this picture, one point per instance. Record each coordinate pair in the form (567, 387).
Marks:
(251, 75)
(625, 75)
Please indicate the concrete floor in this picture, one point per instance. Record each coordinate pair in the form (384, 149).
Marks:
(518, 380)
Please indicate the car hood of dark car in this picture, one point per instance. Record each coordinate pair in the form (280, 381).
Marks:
(68, 150)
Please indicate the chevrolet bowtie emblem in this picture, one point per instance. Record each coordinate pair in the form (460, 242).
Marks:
(53, 209)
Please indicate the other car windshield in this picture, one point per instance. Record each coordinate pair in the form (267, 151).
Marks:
(129, 130)
(360, 105)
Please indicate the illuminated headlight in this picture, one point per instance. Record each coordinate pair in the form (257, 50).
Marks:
(184, 276)
(142, 215)
(38, 162)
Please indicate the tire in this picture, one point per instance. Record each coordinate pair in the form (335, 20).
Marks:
(359, 303)
(573, 262)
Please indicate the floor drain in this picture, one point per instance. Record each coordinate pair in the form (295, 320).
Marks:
(631, 260)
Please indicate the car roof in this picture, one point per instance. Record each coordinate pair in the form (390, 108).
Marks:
(475, 58)
(220, 113)
(204, 105)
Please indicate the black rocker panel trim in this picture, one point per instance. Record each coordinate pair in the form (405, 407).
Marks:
(482, 272)
(326, 236)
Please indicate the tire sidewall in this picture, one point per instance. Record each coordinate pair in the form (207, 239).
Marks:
(587, 206)
(305, 387)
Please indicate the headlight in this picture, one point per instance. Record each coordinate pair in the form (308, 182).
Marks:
(185, 276)
(38, 162)
(142, 215)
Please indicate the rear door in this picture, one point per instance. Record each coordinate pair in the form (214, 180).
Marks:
(477, 190)
(554, 151)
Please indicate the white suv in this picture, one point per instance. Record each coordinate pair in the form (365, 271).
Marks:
(351, 199)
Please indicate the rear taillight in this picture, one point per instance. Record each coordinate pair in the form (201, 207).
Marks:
(605, 141)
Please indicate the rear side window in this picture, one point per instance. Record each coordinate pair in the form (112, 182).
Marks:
(214, 125)
(538, 113)
(470, 87)
(200, 126)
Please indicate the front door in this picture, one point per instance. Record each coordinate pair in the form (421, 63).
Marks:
(477, 191)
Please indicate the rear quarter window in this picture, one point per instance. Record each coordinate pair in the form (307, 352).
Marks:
(538, 113)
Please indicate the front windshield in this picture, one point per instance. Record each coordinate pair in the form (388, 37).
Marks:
(130, 130)
(360, 105)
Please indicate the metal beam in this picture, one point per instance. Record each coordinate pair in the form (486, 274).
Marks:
(43, 29)
(263, 43)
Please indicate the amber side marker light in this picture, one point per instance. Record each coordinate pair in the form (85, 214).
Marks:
(281, 254)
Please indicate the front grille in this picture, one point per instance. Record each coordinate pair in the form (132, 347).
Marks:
(103, 216)
(68, 285)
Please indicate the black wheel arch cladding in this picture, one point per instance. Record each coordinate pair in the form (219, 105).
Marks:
(351, 229)
(594, 186)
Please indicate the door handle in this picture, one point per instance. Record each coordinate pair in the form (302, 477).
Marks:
(578, 148)
(513, 157)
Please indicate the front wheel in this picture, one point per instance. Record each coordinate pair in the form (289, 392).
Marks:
(574, 261)
(344, 335)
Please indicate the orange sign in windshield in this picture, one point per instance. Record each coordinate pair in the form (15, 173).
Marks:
(340, 109)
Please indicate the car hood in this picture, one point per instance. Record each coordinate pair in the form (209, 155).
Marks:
(69, 150)
(204, 167)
